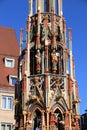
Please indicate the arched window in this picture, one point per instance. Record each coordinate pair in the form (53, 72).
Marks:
(56, 6)
(45, 5)
(34, 6)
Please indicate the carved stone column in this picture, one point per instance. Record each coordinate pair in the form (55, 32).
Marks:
(67, 121)
(46, 59)
(43, 121)
(21, 123)
(77, 122)
(29, 122)
(47, 121)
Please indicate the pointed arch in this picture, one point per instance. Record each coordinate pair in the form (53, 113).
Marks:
(36, 111)
(59, 106)
(35, 106)
(36, 119)
(57, 115)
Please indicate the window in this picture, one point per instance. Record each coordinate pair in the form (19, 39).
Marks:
(9, 62)
(5, 126)
(12, 80)
(7, 103)
(8, 127)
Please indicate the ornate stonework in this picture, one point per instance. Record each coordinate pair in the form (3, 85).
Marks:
(48, 92)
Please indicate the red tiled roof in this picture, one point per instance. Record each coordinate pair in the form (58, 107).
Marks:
(8, 41)
(9, 48)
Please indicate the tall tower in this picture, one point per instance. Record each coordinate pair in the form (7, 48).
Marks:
(46, 95)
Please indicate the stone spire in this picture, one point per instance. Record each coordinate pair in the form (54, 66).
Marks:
(45, 6)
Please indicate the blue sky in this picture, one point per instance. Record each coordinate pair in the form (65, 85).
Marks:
(13, 13)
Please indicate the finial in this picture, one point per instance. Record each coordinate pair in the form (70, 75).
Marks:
(70, 33)
(21, 39)
(29, 2)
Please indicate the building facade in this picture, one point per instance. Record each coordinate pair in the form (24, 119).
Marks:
(84, 121)
(46, 94)
(9, 52)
